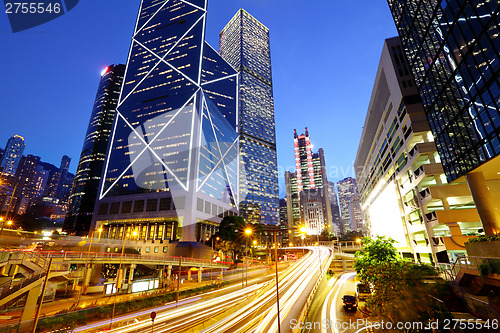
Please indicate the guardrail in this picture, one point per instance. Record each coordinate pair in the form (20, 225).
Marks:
(310, 297)
(450, 272)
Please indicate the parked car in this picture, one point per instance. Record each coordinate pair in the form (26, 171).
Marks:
(363, 291)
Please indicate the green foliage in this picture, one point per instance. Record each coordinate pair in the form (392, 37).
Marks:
(483, 238)
(232, 237)
(400, 293)
(489, 266)
(375, 251)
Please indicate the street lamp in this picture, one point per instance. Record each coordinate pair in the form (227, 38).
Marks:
(248, 232)
(9, 223)
(303, 231)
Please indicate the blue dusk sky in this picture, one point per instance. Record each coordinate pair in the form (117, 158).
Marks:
(324, 58)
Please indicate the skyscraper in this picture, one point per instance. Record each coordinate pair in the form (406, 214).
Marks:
(452, 50)
(12, 155)
(347, 189)
(63, 173)
(355, 213)
(58, 178)
(334, 204)
(88, 174)
(244, 43)
(307, 188)
(171, 168)
(25, 187)
(292, 200)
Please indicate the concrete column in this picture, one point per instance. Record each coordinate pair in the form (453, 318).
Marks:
(130, 278)
(486, 207)
(344, 265)
(200, 271)
(29, 309)
(169, 275)
(86, 279)
(131, 274)
(189, 274)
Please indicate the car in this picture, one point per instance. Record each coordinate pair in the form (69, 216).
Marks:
(363, 291)
(350, 302)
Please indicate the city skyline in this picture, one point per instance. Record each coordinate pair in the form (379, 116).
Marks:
(339, 99)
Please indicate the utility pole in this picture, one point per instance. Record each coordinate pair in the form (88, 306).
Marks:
(178, 282)
(37, 313)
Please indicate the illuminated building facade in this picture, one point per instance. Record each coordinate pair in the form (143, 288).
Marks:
(307, 188)
(452, 50)
(355, 213)
(292, 200)
(12, 155)
(334, 204)
(244, 43)
(401, 181)
(25, 189)
(347, 189)
(88, 174)
(171, 169)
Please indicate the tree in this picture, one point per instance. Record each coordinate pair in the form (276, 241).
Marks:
(375, 251)
(231, 235)
(400, 293)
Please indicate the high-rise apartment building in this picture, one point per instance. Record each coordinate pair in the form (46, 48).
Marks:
(401, 182)
(171, 169)
(40, 179)
(12, 155)
(244, 43)
(347, 188)
(452, 50)
(25, 188)
(58, 178)
(88, 174)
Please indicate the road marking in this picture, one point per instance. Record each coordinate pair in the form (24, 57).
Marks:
(333, 309)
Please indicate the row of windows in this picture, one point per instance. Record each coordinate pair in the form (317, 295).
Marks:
(140, 206)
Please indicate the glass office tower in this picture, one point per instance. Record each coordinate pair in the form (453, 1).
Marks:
(88, 174)
(172, 165)
(244, 43)
(453, 50)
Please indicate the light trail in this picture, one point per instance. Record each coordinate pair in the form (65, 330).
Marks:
(293, 287)
(254, 307)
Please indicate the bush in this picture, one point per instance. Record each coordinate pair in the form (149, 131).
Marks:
(489, 266)
(483, 238)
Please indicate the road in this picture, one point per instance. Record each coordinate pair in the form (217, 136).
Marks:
(251, 309)
(260, 314)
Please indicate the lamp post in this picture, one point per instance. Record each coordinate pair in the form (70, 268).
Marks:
(248, 232)
(119, 274)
